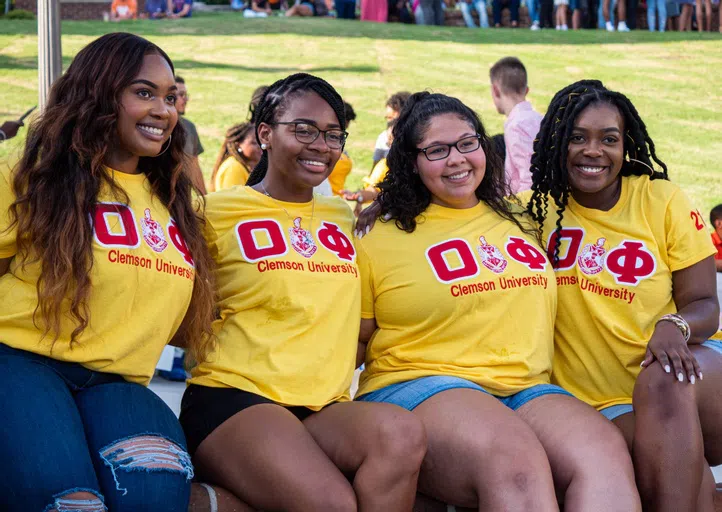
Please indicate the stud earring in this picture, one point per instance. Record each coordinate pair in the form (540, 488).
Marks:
(264, 147)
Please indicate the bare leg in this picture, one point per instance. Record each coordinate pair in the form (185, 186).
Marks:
(605, 9)
(224, 501)
(382, 444)
(577, 19)
(622, 10)
(699, 14)
(249, 455)
(573, 434)
(482, 455)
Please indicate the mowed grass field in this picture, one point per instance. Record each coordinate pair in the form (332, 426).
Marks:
(673, 79)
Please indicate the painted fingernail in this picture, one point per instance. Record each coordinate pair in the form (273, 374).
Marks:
(680, 377)
(368, 228)
(692, 379)
(667, 369)
(700, 376)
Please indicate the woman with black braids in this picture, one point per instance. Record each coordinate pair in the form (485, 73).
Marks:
(268, 414)
(637, 298)
(239, 154)
(458, 306)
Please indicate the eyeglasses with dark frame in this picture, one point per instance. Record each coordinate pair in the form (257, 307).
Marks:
(307, 134)
(440, 151)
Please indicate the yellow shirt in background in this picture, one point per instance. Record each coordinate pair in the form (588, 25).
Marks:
(467, 294)
(142, 281)
(289, 305)
(230, 173)
(615, 282)
(377, 174)
(337, 178)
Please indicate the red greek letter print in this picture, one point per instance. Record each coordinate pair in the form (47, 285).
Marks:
(179, 243)
(114, 226)
(630, 262)
(247, 234)
(525, 253)
(567, 259)
(436, 256)
(332, 238)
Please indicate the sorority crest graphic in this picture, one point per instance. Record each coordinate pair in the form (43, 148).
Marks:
(591, 260)
(491, 256)
(153, 233)
(302, 240)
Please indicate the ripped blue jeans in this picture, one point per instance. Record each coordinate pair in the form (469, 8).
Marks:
(65, 429)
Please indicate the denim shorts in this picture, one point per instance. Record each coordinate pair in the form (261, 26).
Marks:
(615, 411)
(412, 393)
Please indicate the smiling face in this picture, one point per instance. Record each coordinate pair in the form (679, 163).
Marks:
(296, 166)
(595, 156)
(147, 114)
(453, 180)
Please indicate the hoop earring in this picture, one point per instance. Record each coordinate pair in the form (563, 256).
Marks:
(170, 138)
(640, 162)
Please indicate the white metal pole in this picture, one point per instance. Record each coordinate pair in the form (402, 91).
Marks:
(49, 51)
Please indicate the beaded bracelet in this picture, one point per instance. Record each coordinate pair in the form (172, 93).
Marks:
(680, 322)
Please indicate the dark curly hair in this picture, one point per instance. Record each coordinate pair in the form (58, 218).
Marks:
(276, 98)
(235, 135)
(62, 171)
(549, 160)
(403, 195)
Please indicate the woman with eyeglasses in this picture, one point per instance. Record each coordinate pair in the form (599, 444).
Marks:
(268, 413)
(458, 306)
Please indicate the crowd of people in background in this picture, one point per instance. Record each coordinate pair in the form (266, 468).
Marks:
(610, 15)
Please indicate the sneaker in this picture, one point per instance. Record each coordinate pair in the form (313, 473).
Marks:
(610, 27)
(564, 28)
(535, 26)
(177, 372)
(622, 27)
(558, 27)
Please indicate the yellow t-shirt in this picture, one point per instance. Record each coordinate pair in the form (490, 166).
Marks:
(615, 282)
(467, 294)
(230, 173)
(377, 174)
(337, 178)
(142, 281)
(289, 305)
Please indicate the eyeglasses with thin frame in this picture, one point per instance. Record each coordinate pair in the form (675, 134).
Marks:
(440, 151)
(307, 134)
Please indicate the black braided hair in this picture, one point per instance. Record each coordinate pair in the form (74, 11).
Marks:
(403, 195)
(276, 98)
(234, 136)
(256, 98)
(549, 159)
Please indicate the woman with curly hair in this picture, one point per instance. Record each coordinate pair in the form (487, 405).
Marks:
(102, 263)
(458, 307)
(239, 154)
(637, 297)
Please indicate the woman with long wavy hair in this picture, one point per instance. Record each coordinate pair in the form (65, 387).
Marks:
(102, 263)
(239, 154)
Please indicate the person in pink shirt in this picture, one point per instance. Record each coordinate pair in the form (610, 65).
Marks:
(508, 90)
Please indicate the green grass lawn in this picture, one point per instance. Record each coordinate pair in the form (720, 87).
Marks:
(673, 78)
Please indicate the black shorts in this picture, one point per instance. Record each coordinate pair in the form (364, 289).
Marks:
(204, 409)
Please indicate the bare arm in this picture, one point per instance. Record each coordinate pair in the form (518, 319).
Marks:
(695, 294)
(368, 327)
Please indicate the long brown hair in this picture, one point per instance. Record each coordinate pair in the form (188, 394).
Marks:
(234, 136)
(57, 181)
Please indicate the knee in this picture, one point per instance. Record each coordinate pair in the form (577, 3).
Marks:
(660, 393)
(401, 438)
(77, 499)
(144, 467)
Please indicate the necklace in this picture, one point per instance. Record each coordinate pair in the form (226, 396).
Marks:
(301, 239)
